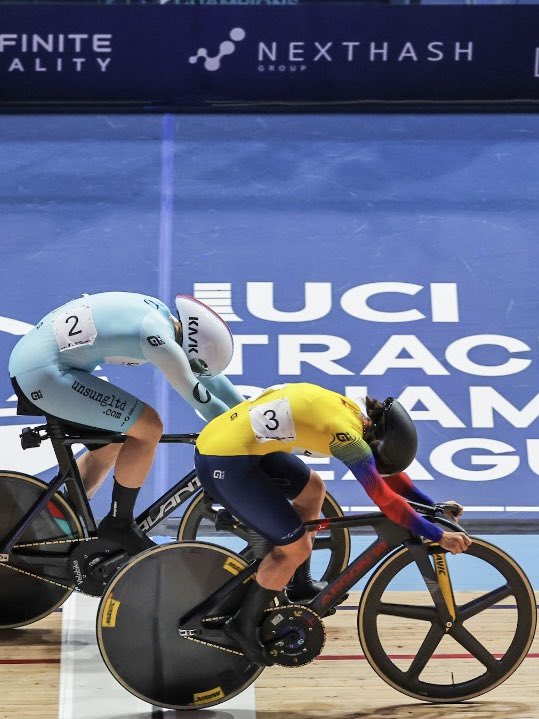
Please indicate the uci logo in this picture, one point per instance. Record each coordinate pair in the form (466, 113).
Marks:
(155, 340)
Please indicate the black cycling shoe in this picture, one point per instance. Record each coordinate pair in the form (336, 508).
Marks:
(243, 626)
(248, 641)
(129, 536)
(302, 587)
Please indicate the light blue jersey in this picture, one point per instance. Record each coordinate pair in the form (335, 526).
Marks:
(53, 362)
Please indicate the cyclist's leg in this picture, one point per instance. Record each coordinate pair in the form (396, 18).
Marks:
(132, 466)
(241, 485)
(78, 396)
(95, 465)
(307, 490)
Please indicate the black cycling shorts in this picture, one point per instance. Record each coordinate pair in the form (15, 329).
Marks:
(257, 490)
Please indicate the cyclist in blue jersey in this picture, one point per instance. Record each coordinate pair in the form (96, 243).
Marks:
(51, 368)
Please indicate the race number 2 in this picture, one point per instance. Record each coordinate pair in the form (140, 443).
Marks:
(273, 421)
(74, 327)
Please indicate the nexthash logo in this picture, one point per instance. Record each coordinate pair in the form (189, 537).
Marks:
(227, 47)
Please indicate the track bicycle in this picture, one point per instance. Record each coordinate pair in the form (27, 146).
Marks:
(48, 536)
(159, 624)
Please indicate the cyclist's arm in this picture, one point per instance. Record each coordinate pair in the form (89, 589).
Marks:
(222, 388)
(358, 458)
(403, 485)
(160, 348)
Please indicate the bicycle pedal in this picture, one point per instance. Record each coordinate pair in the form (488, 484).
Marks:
(92, 564)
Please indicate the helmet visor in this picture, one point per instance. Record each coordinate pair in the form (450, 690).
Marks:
(199, 367)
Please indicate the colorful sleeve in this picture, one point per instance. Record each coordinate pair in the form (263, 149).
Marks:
(403, 485)
(357, 456)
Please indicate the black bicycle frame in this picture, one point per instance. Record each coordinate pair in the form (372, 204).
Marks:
(68, 474)
(390, 537)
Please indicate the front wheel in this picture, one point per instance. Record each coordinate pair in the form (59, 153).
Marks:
(332, 545)
(492, 631)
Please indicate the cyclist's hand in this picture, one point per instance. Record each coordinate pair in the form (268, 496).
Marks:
(452, 509)
(455, 542)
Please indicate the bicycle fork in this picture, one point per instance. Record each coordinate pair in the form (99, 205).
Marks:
(437, 580)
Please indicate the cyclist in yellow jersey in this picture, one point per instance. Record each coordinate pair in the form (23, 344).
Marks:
(239, 452)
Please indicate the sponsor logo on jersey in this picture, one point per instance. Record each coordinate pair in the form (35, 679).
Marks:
(155, 340)
(197, 389)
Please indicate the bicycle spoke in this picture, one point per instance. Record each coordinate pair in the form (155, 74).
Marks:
(474, 646)
(408, 611)
(480, 604)
(425, 652)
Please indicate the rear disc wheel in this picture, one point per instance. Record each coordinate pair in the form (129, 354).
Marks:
(26, 595)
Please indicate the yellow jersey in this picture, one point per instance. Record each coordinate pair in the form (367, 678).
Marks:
(299, 417)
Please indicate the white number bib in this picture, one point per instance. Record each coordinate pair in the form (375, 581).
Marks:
(273, 421)
(74, 327)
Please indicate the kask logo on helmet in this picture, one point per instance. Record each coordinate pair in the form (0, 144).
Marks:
(192, 331)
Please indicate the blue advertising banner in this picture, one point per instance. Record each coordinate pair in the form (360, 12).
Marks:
(302, 56)
(389, 254)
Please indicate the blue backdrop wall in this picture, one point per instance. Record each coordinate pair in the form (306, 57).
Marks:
(388, 254)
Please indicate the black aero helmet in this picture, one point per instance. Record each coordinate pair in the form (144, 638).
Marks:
(395, 444)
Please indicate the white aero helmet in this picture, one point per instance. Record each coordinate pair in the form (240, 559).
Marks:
(206, 338)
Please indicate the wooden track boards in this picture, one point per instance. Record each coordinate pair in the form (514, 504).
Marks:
(332, 687)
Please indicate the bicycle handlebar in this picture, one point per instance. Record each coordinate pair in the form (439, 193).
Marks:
(436, 512)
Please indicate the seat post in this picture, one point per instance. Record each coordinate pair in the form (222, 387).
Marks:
(67, 466)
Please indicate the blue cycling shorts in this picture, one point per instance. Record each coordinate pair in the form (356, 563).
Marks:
(78, 396)
(257, 490)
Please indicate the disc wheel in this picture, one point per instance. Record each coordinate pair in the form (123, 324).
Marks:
(405, 643)
(138, 628)
(332, 545)
(25, 594)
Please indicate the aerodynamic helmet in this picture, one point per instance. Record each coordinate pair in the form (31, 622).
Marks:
(395, 444)
(206, 338)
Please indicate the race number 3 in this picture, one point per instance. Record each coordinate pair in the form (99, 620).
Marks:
(273, 421)
(74, 327)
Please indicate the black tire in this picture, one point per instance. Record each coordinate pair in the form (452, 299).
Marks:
(138, 633)
(25, 598)
(488, 650)
(199, 518)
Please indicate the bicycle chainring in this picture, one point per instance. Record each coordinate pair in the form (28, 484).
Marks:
(86, 565)
(293, 635)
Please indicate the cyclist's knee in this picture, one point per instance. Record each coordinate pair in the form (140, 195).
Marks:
(296, 552)
(314, 490)
(317, 485)
(148, 426)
